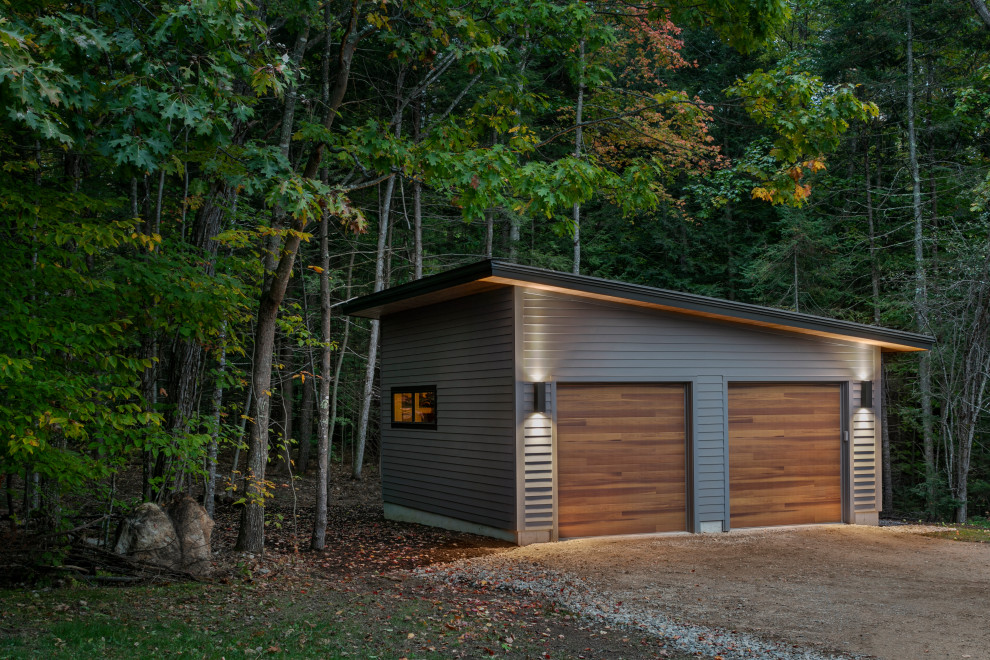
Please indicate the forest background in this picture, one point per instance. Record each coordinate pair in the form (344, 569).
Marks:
(189, 189)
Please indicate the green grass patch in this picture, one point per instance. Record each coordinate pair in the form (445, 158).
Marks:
(968, 534)
(378, 619)
(978, 521)
(204, 623)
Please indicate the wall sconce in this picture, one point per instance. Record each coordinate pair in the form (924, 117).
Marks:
(539, 397)
(866, 394)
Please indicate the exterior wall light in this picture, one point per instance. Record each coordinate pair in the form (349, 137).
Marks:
(866, 394)
(539, 397)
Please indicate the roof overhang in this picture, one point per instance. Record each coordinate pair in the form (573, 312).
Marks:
(488, 275)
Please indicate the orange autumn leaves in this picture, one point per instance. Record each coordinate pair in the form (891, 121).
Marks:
(632, 117)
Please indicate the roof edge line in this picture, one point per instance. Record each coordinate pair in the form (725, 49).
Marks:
(694, 302)
(507, 273)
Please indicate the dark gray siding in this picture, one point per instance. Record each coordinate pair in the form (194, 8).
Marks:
(464, 469)
(572, 339)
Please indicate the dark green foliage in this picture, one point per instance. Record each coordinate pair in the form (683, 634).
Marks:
(149, 187)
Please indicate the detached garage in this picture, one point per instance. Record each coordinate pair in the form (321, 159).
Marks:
(532, 405)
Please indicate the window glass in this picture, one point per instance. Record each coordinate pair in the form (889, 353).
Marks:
(425, 409)
(402, 407)
(414, 406)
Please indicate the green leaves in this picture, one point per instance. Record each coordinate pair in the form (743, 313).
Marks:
(743, 24)
(807, 115)
(807, 118)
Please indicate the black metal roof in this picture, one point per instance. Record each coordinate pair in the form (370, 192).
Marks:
(458, 282)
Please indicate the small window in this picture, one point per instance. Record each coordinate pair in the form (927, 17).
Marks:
(414, 407)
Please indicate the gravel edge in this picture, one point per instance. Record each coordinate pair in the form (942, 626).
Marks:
(575, 595)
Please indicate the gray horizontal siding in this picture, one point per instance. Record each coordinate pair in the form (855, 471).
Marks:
(571, 339)
(538, 469)
(865, 475)
(585, 339)
(464, 468)
(709, 448)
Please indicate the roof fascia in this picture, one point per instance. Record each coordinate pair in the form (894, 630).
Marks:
(499, 272)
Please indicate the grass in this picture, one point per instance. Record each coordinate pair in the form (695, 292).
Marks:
(975, 530)
(968, 534)
(205, 622)
(363, 619)
(331, 626)
(979, 521)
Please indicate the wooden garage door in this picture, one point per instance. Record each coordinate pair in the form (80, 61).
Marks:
(620, 459)
(785, 444)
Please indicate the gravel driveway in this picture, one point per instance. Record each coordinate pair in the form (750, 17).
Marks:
(786, 592)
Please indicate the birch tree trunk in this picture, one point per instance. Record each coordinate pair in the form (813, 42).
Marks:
(341, 354)
(369, 373)
(323, 437)
(578, 134)
(514, 218)
(417, 202)
(920, 280)
(323, 431)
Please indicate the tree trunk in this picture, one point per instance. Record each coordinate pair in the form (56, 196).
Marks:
(886, 475)
(417, 203)
(341, 354)
(794, 265)
(323, 439)
(981, 10)
(578, 133)
(251, 535)
(514, 219)
(305, 425)
(489, 232)
(369, 373)
(920, 281)
(209, 498)
(318, 540)
(182, 384)
(286, 395)
(149, 393)
(240, 436)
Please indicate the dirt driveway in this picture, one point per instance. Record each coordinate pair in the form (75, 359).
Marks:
(886, 592)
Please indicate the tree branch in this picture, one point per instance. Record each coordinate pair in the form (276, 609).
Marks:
(981, 10)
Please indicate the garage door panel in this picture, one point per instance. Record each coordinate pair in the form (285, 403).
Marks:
(612, 482)
(620, 459)
(618, 527)
(784, 454)
(624, 454)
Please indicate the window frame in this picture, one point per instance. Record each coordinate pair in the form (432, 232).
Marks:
(414, 390)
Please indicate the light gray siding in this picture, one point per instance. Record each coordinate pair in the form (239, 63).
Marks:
(571, 339)
(710, 448)
(865, 463)
(465, 468)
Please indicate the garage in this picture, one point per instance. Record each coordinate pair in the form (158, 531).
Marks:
(621, 458)
(564, 406)
(785, 453)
